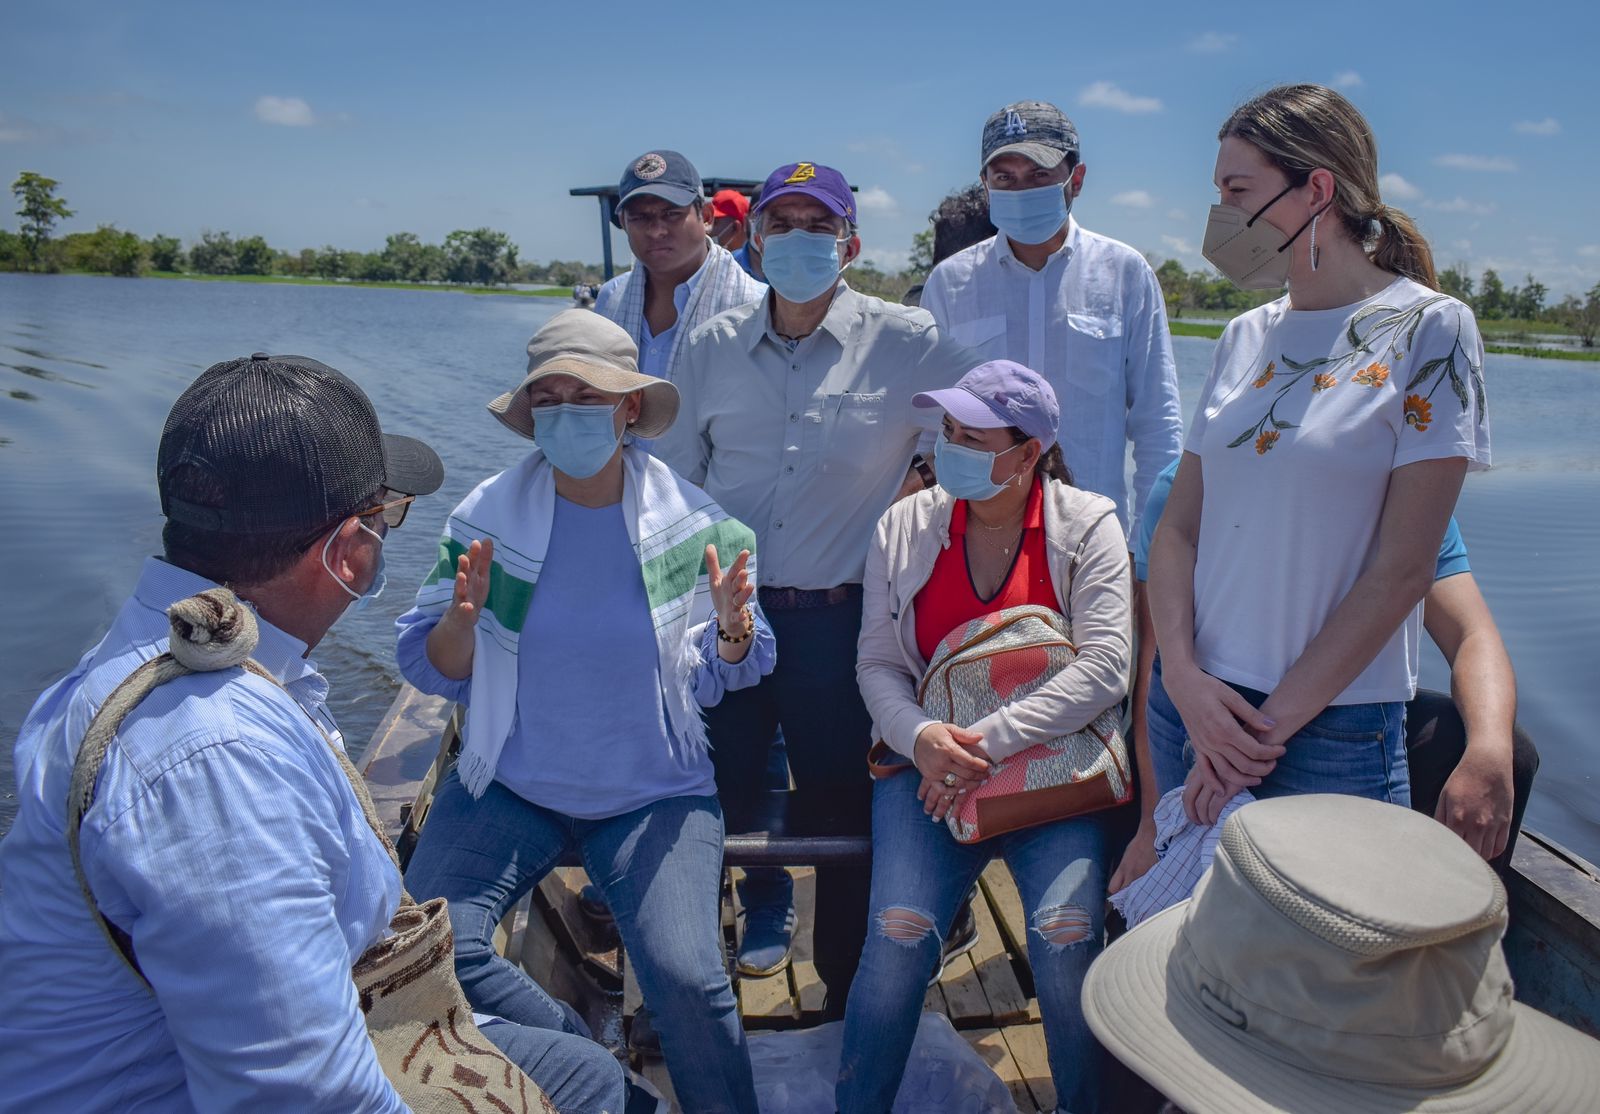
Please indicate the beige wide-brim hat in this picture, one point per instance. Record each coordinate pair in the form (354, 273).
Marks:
(1341, 956)
(586, 346)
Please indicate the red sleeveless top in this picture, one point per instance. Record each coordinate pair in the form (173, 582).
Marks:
(949, 599)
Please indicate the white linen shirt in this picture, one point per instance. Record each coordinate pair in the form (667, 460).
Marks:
(1093, 322)
(808, 445)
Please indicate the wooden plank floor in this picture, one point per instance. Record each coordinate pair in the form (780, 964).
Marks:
(984, 993)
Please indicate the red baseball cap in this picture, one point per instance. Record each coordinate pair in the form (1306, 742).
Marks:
(730, 203)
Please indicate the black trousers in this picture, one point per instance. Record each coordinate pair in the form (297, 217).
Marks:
(813, 696)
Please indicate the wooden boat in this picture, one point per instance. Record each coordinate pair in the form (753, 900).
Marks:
(1552, 944)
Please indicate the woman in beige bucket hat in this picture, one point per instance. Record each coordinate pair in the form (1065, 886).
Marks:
(1317, 972)
(581, 609)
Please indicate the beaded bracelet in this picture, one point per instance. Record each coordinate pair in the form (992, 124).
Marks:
(749, 628)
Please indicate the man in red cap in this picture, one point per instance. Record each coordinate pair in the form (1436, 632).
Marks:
(730, 219)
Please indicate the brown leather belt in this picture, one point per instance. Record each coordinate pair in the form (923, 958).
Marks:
(796, 599)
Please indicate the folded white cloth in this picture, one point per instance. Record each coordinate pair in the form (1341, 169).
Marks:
(1184, 851)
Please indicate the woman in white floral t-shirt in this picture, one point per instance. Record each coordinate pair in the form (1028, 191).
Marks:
(1323, 463)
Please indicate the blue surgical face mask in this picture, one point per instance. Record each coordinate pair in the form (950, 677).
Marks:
(965, 472)
(1030, 216)
(375, 589)
(578, 440)
(801, 265)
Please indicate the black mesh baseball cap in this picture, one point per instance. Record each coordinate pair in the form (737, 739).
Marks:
(273, 444)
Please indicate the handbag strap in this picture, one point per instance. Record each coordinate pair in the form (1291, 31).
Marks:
(210, 631)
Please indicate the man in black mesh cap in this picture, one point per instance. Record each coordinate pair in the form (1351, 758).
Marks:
(224, 845)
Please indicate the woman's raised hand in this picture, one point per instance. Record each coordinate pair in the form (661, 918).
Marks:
(1222, 726)
(730, 590)
(472, 585)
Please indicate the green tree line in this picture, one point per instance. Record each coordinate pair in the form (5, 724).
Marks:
(478, 256)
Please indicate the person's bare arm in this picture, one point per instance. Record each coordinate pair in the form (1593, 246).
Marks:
(1477, 797)
(1140, 854)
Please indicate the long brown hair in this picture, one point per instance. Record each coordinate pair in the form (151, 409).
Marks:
(1299, 128)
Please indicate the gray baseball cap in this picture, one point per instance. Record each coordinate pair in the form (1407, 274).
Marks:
(1035, 130)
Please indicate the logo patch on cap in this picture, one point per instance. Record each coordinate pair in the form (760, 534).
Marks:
(804, 172)
(1015, 124)
(650, 166)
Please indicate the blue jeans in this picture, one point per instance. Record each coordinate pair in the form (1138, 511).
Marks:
(660, 868)
(919, 876)
(579, 1075)
(1355, 749)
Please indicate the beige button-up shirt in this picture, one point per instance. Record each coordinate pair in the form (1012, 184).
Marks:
(807, 443)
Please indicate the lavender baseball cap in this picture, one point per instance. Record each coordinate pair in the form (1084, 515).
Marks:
(814, 180)
(997, 394)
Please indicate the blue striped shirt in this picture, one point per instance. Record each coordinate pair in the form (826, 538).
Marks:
(228, 843)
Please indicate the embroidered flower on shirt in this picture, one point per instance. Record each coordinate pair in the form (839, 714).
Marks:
(1392, 333)
(1419, 412)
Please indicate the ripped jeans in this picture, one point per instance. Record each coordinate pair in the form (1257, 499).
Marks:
(919, 876)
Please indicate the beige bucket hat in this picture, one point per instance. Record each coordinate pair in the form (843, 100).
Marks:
(1341, 956)
(586, 346)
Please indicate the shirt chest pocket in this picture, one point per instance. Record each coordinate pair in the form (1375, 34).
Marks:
(984, 337)
(852, 431)
(1094, 351)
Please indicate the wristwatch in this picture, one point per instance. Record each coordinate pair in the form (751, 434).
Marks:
(924, 469)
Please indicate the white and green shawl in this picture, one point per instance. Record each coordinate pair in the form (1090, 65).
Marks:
(670, 522)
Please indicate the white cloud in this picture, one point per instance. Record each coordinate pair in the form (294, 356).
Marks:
(889, 260)
(1548, 126)
(289, 112)
(1396, 188)
(878, 201)
(1492, 163)
(13, 130)
(1460, 205)
(1177, 214)
(1347, 79)
(1212, 42)
(1179, 245)
(1134, 199)
(1589, 250)
(1103, 94)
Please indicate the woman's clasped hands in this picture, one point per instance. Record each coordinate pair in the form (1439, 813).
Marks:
(1226, 731)
(951, 762)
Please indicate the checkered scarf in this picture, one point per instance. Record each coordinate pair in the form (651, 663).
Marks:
(722, 285)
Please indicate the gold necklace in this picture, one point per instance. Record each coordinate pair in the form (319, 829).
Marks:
(1005, 549)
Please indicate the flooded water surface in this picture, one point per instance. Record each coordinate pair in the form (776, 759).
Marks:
(90, 366)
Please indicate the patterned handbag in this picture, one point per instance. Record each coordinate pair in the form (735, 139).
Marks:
(992, 661)
(417, 1017)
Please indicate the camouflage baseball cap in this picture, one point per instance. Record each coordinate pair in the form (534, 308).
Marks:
(1035, 130)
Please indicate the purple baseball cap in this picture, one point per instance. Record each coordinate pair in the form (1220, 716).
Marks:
(997, 394)
(823, 183)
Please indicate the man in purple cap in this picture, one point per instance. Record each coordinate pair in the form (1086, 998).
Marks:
(681, 276)
(797, 418)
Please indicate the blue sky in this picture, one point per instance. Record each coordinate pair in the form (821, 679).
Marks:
(341, 122)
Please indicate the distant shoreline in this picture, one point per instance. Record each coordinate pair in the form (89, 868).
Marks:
(1210, 330)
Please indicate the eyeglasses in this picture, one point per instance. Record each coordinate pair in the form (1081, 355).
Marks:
(394, 511)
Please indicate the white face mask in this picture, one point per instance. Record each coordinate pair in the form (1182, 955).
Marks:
(1248, 251)
(379, 579)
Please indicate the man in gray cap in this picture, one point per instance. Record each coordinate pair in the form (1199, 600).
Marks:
(1083, 310)
(681, 276)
